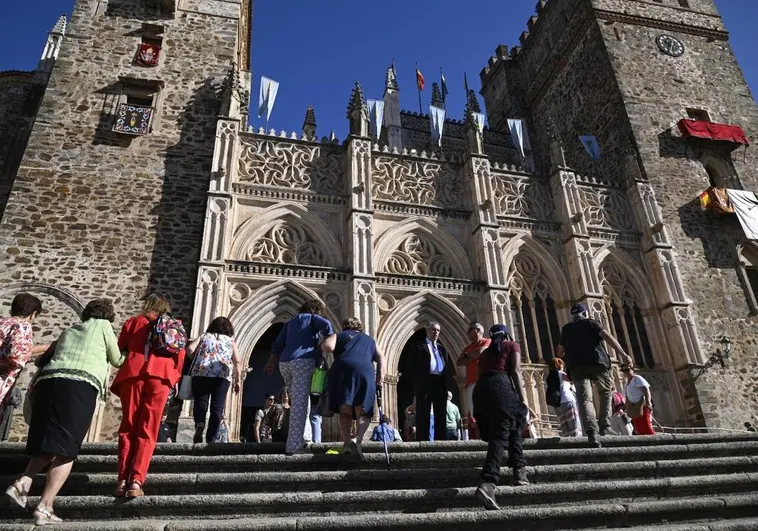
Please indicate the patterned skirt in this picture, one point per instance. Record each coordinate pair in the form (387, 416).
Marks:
(568, 420)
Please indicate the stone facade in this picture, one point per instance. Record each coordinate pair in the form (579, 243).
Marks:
(230, 221)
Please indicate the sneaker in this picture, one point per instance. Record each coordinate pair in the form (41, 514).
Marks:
(485, 493)
(592, 440)
(199, 429)
(17, 495)
(44, 517)
(519, 477)
(355, 449)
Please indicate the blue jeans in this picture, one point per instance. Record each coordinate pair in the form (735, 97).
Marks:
(315, 421)
(452, 434)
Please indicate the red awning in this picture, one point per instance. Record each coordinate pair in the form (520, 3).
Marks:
(713, 131)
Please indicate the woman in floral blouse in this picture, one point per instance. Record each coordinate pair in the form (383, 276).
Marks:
(215, 365)
(16, 339)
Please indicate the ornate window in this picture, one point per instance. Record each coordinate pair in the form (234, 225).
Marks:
(534, 320)
(747, 270)
(626, 316)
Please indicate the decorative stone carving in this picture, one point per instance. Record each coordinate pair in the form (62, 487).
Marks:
(287, 244)
(207, 300)
(606, 208)
(418, 182)
(333, 300)
(364, 305)
(223, 155)
(214, 236)
(363, 244)
(417, 256)
(289, 165)
(239, 292)
(522, 197)
(386, 303)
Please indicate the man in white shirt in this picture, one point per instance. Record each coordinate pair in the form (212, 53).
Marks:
(639, 399)
(429, 363)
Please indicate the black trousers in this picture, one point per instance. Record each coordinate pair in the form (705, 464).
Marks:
(433, 394)
(501, 419)
(213, 390)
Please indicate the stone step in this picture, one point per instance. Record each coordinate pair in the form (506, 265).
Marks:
(413, 447)
(82, 483)
(710, 513)
(14, 463)
(428, 501)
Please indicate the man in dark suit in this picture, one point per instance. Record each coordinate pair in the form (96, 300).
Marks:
(430, 360)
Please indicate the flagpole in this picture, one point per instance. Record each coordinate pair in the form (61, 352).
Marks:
(444, 87)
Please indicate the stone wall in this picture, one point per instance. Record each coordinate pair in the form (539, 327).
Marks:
(18, 102)
(657, 90)
(107, 215)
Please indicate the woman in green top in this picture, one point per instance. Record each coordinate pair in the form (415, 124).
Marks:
(65, 395)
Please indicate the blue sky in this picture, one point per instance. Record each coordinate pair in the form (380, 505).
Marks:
(317, 50)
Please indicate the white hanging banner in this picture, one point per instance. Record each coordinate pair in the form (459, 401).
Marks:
(516, 128)
(376, 117)
(479, 117)
(745, 205)
(266, 100)
(437, 121)
(591, 146)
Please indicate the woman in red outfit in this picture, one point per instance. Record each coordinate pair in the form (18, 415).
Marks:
(143, 384)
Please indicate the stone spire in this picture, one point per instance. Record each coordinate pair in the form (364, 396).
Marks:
(557, 155)
(437, 96)
(472, 104)
(50, 53)
(393, 128)
(390, 80)
(309, 124)
(357, 112)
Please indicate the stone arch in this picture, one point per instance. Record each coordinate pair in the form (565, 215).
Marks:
(292, 215)
(550, 268)
(446, 246)
(720, 171)
(277, 301)
(414, 312)
(634, 277)
(65, 296)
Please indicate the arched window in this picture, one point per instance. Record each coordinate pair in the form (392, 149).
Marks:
(721, 173)
(534, 320)
(748, 273)
(626, 315)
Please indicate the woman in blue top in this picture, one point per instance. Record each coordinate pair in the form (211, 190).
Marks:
(353, 381)
(300, 342)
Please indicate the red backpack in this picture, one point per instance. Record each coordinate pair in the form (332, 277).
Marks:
(167, 338)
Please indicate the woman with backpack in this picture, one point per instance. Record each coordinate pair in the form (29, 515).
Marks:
(561, 394)
(215, 367)
(154, 346)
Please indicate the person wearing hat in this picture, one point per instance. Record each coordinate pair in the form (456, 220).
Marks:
(468, 359)
(500, 412)
(587, 362)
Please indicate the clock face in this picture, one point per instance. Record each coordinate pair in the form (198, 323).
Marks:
(670, 45)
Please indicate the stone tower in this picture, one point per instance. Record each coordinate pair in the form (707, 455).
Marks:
(109, 199)
(628, 72)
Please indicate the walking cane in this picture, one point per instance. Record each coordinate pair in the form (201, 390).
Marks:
(382, 424)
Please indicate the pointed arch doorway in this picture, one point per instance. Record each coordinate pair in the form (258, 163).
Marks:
(257, 383)
(405, 395)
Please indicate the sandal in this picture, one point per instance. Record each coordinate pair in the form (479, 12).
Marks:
(17, 495)
(120, 490)
(135, 493)
(44, 517)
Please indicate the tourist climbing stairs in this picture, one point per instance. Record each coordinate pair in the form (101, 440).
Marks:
(704, 482)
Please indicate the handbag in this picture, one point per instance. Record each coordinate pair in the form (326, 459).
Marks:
(185, 386)
(634, 409)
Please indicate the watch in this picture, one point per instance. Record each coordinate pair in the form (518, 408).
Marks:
(670, 45)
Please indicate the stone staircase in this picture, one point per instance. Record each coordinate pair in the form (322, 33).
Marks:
(700, 482)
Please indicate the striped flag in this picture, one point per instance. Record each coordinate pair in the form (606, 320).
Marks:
(705, 200)
(419, 79)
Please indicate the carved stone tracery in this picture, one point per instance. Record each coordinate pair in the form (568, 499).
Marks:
(418, 256)
(522, 197)
(287, 244)
(418, 182)
(606, 208)
(290, 165)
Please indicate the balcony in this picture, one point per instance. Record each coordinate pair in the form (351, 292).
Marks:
(133, 119)
(731, 136)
